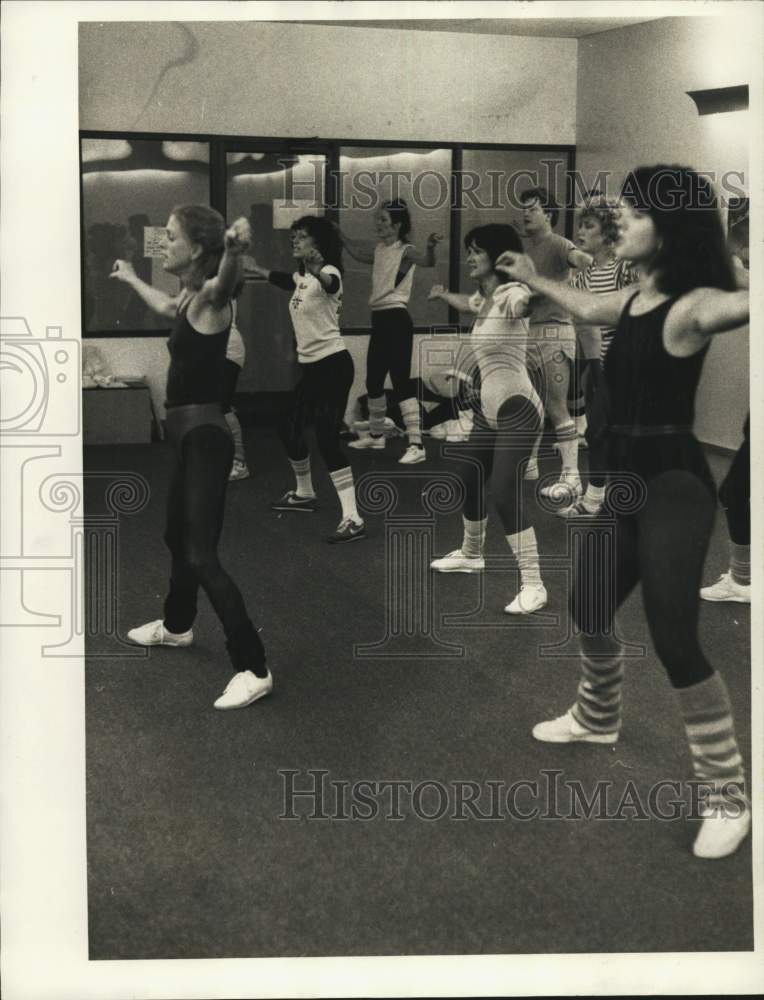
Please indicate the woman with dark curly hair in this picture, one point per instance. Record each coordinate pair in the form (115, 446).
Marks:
(326, 370)
(508, 414)
(204, 256)
(669, 225)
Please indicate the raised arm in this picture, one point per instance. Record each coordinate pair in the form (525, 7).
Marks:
(701, 314)
(357, 248)
(459, 302)
(427, 257)
(159, 301)
(218, 290)
(597, 310)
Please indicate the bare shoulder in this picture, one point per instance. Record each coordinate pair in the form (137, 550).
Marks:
(206, 314)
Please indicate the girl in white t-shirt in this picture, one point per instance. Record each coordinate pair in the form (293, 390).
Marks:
(392, 332)
(326, 370)
(508, 414)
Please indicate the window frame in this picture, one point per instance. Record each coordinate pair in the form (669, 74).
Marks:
(221, 145)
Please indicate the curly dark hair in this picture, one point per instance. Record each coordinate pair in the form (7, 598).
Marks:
(692, 250)
(324, 235)
(494, 238)
(604, 213)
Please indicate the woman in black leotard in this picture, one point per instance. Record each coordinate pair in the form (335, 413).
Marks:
(669, 225)
(204, 255)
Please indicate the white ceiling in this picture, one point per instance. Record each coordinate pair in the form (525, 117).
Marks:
(550, 27)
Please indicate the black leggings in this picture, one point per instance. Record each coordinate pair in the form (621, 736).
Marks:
(663, 545)
(595, 426)
(390, 346)
(195, 507)
(735, 492)
(322, 393)
(231, 372)
(498, 455)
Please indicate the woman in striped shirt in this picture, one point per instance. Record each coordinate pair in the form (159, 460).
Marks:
(597, 234)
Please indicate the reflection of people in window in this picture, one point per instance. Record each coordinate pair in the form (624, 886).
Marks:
(105, 303)
(135, 316)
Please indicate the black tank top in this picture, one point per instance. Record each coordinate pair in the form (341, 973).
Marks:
(648, 402)
(649, 389)
(197, 363)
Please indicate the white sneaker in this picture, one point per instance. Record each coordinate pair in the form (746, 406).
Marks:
(375, 443)
(531, 469)
(565, 729)
(155, 634)
(567, 487)
(239, 470)
(243, 689)
(456, 430)
(721, 833)
(439, 431)
(529, 599)
(457, 562)
(726, 589)
(413, 455)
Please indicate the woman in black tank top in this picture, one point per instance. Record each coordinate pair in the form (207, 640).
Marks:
(204, 255)
(660, 504)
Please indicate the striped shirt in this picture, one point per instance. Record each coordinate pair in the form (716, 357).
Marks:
(601, 279)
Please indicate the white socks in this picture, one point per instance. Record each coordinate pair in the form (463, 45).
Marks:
(345, 487)
(302, 476)
(525, 550)
(474, 537)
(412, 421)
(377, 411)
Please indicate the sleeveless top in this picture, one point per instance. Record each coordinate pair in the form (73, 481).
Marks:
(648, 403)
(385, 294)
(197, 363)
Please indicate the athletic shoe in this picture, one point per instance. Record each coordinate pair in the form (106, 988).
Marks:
(375, 443)
(413, 455)
(392, 430)
(347, 531)
(721, 832)
(155, 634)
(566, 486)
(726, 589)
(239, 470)
(531, 469)
(291, 501)
(577, 509)
(244, 688)
(567, 730)
(457, 431)
(439, 431)
(457, 562)
(529, 599)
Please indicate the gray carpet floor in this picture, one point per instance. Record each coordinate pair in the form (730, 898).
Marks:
(187, 854)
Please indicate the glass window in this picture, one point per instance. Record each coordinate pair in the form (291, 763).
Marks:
(129, 188)
(369, 176)
(493, 180)
(271, 189)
